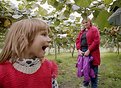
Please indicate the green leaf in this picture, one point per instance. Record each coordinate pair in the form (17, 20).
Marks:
(57, 5)
(84, 15)
(57, 22)
(101, 19)
(21, 6)
(29, 5)
(52, 2)
(31, 0)
(43, 1)
(95, 14)
(42, 11)
(83, 3)
(66, 13)
(62, 1)
(108, 1)
(60, 6)
(77, 19)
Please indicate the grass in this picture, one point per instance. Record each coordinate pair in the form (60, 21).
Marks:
(109, 71)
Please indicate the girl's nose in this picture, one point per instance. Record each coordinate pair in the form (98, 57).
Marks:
(48, 39)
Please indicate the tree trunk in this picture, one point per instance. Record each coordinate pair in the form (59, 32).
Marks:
(58, 49)
(118, 47)
(55, 49)
(73, 50)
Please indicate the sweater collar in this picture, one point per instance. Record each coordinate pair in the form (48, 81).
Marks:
(27, 66)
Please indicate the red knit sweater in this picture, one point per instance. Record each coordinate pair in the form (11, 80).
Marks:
(12, 78)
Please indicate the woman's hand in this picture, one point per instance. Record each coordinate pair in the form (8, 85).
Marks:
(87, 53)
(80, 52)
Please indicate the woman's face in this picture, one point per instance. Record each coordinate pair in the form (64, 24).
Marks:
(86, 23)
(40, 43)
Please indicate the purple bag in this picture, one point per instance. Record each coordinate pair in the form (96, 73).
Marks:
(83, 67)
(79, 66)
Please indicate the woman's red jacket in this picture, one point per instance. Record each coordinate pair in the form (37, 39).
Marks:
(93, 41)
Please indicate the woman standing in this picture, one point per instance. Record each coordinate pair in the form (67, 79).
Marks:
(87, 43)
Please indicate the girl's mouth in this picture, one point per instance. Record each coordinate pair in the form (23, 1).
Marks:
(44, 47)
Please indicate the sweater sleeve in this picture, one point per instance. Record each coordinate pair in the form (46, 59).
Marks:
(96, 41)
(78, 41)
(1, 75)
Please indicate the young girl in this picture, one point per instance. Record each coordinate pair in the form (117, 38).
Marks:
(22, 62)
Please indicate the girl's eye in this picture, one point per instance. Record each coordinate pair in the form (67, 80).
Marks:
(44, 34)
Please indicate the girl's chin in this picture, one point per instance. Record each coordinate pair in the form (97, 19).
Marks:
(42, 55)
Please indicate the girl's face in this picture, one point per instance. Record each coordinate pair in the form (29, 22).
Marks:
(40, 43)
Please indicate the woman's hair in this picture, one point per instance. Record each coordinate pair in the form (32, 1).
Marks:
(20, 37)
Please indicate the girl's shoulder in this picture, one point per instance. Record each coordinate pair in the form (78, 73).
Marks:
(5, 64)
(50, 62)
(54, 68)
(4, 67)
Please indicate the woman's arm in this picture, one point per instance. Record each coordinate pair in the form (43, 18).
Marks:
(96, 42)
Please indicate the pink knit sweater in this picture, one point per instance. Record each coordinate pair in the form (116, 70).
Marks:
(12, 78)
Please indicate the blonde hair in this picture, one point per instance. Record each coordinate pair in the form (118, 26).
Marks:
(20, 36)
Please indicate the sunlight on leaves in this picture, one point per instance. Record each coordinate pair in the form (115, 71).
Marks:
(42, 11)
(83, 3)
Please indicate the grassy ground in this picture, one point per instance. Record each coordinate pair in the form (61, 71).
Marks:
(109, 71)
